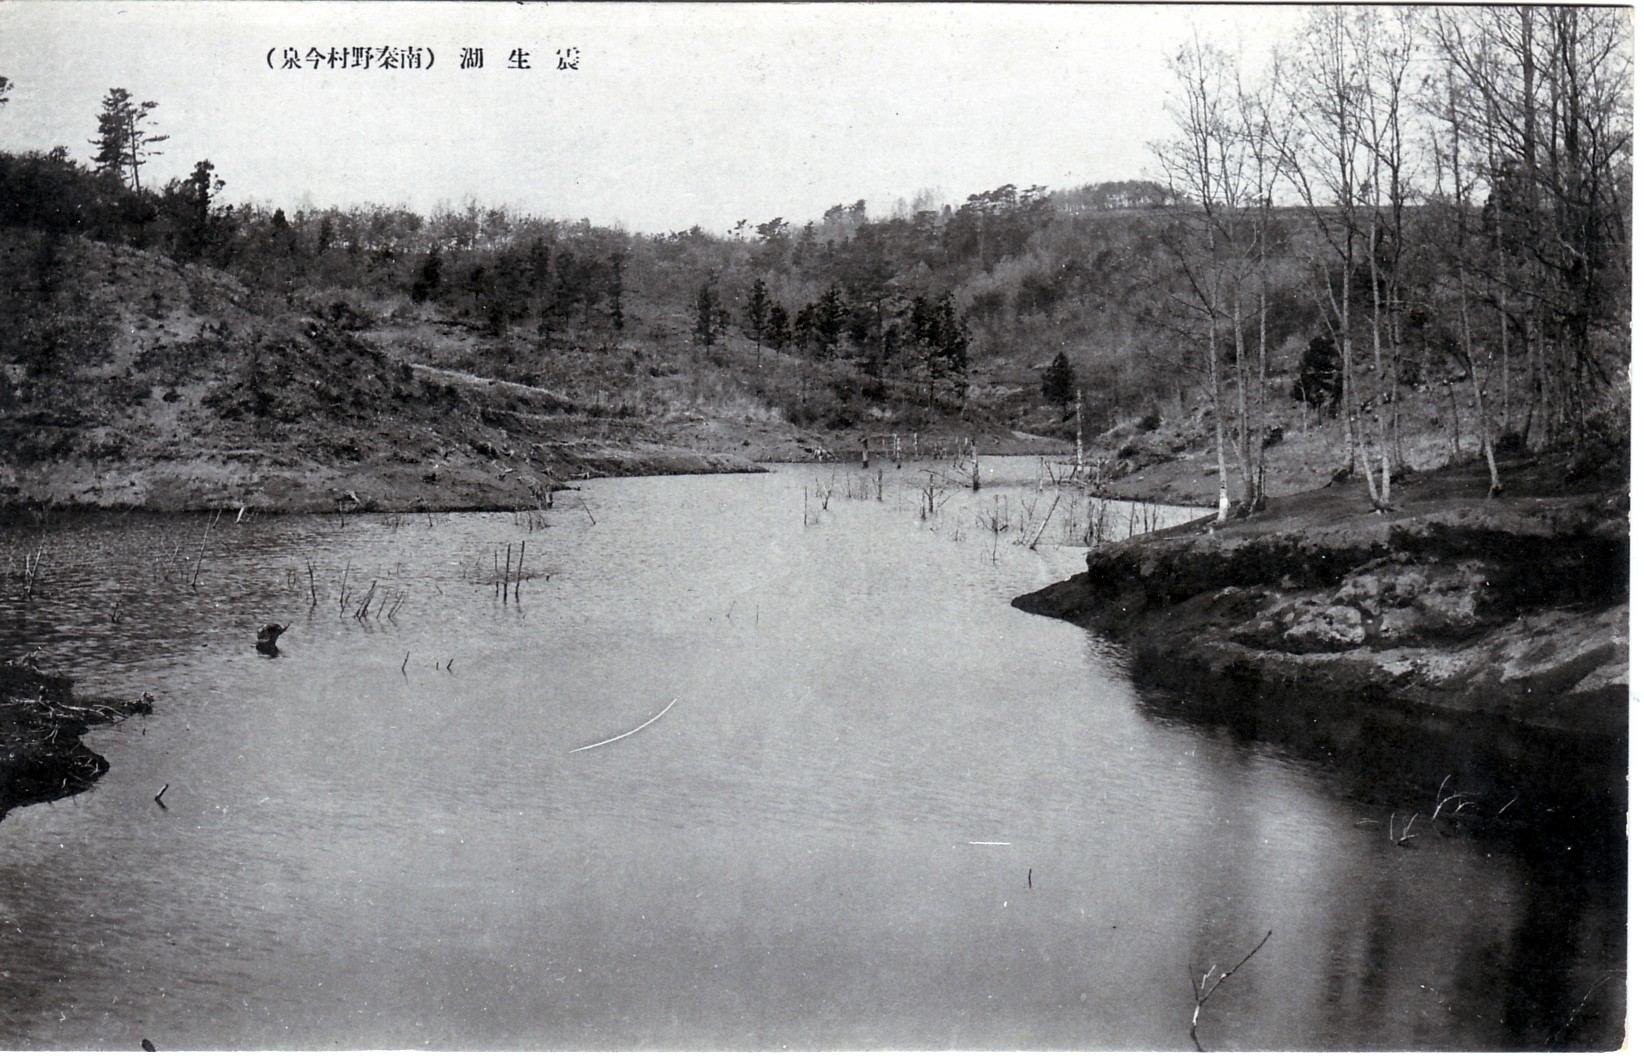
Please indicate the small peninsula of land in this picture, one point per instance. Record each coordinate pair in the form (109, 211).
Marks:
(1452, 604)
(41, 722)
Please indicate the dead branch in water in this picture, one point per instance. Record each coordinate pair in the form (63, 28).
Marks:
(31, 570)
(1203, 987)
(630, 733)
(194, 584)
(1054, 500)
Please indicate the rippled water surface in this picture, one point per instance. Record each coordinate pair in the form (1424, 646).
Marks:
(885, 810)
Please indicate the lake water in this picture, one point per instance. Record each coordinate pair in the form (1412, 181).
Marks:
(884, 810)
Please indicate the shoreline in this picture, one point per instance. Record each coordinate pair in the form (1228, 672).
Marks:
(493, 481)
(1452, 608)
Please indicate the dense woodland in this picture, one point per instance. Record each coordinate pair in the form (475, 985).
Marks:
(1418, 205)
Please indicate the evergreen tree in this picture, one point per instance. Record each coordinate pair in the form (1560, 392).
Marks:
(952, 348)
(940, 344)
(613, 290)
(819, 325)
(757, 313)
(1319, 381)
(567, 285)
(189, 202)
(706, 328)
(427, 284)
(776, 328)
(1058, 382)
(123, 144)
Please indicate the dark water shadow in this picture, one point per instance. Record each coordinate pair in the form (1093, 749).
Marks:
(1552, 804)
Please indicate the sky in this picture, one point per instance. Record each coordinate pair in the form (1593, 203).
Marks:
(675, 114)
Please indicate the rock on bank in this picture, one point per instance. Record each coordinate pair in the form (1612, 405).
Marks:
(1512, 608)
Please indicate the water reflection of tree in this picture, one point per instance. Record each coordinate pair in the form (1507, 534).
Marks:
(1497, 931)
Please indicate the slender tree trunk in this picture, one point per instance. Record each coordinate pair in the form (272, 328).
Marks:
(1241, 449)
(131, 144)
(1377, 366)
(1259, 500)
(1223, 506)
(1501, 311)
(1464, 294)
(1543, 387)
(1356, 454)
(1484, 430)
(1396, 344)
(1455, 419)
(1485, 441)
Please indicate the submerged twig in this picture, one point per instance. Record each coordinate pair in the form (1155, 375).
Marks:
(630, 733)
(1203, 987)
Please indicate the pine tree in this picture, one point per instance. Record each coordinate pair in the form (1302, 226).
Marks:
(706, 328)
(192, 200)
(757, 313)
(613, 290)
(776, 329)
(427, 283)
(123, 144)
(1058, 382)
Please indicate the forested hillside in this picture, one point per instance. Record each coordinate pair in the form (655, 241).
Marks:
(1357, 241)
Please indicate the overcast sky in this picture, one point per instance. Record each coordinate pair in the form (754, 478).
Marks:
(677, 114)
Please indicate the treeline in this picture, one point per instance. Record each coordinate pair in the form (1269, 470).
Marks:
(1416, 198)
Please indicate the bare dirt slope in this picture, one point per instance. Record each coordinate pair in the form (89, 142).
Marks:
(142, 382)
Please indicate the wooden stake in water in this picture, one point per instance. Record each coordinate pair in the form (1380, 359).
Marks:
(519, 573)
